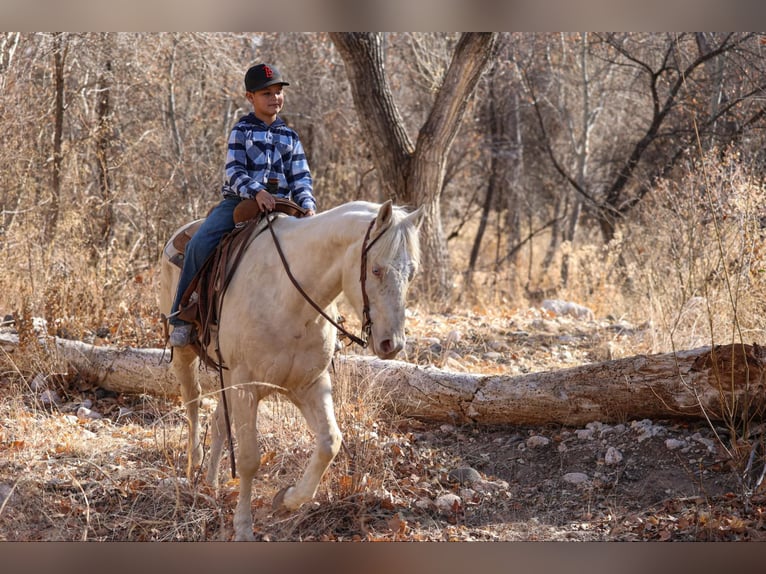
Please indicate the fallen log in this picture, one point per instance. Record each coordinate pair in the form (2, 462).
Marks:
(720, 383)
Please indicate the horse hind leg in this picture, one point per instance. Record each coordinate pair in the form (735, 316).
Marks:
(317, 408)
(185, 368)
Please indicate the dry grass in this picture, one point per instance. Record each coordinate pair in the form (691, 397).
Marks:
(122, 477)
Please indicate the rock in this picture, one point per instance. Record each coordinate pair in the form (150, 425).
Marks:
(448, 503)
(85, 414)
(612, 456)
(464, 475)
(559, 307)
(673, 444)
(646, 429)
(709, 443)
(575, 477)
(50, 397)
(538, 441)
(584, 434)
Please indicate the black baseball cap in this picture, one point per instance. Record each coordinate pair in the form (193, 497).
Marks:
(262, 76)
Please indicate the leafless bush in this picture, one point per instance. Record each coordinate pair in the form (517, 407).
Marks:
(696, 256)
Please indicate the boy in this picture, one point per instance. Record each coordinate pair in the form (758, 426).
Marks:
(265, 159)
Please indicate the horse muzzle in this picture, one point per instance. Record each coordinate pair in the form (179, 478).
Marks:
(387, 348)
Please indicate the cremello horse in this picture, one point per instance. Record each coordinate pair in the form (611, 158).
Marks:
(272, 339)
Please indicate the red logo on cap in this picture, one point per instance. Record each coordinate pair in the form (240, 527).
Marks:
(268, 71)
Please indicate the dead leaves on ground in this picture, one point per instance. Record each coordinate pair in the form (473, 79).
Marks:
(697, 519)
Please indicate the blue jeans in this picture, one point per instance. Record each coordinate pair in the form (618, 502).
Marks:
(202, 244)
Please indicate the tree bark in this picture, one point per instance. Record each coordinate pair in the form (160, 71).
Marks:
(498, 147)
(391, 147)
(414, 175)
(103, 142)
(60, 49)
(720, 383)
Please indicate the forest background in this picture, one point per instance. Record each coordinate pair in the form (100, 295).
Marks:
(621, 171)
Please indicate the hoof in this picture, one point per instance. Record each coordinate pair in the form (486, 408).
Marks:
(278, 504)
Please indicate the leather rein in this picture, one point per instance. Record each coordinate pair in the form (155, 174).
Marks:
(366, 320)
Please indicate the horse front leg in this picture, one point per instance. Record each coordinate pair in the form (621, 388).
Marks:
(185, 368)
(244, 410)
(317, 408)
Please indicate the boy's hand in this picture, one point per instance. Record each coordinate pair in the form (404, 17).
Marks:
(265, 200)
(310, 212)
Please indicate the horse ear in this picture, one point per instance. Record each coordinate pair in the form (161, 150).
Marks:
(416, 217)
(384, 215)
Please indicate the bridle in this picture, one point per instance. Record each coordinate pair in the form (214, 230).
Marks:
(362, 340)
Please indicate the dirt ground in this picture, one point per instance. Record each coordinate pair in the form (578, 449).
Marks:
(67, 475)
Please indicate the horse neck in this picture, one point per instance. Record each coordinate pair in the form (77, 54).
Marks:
(324, 247)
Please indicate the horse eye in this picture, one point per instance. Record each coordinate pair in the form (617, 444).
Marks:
(376, 271)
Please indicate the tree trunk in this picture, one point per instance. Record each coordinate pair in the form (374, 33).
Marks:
(720, 384)
(60, 49)
(498, 146)
(414, 175)
(172, 114)
(389, 143)
(103, 139)
(479, 237)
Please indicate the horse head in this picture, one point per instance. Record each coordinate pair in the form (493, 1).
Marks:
(392, 259)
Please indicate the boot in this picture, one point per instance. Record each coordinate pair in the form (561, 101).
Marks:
(181, 335)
